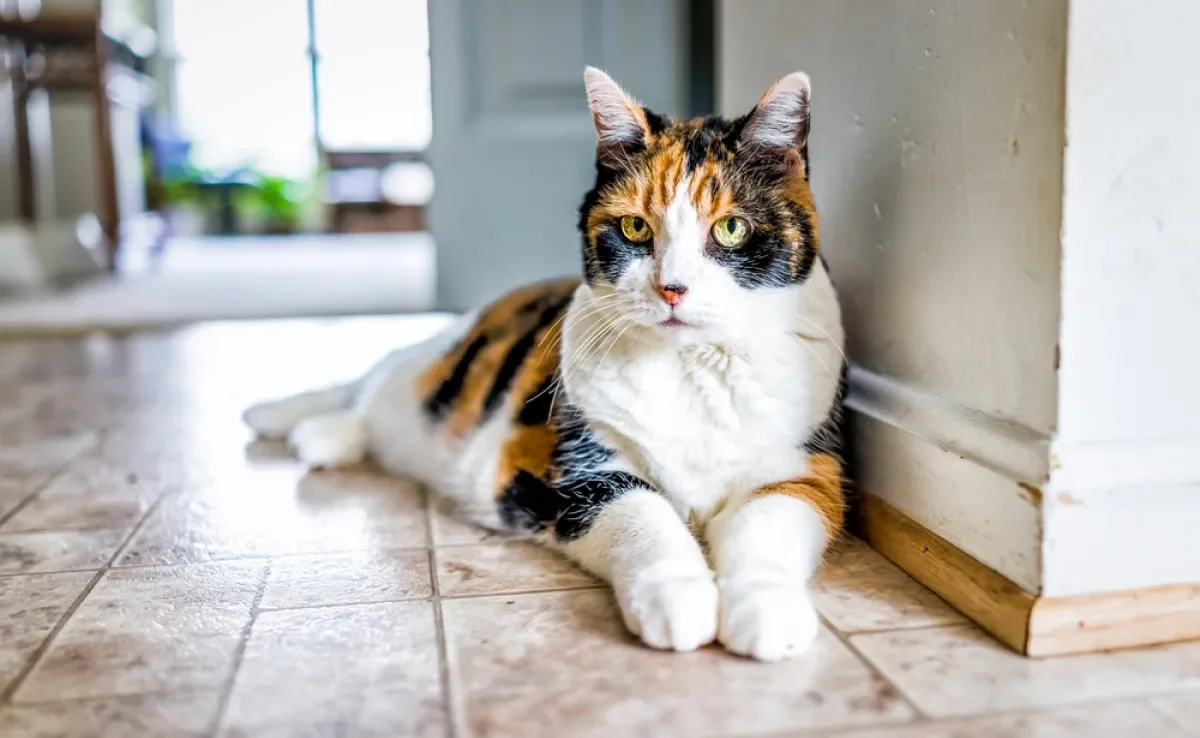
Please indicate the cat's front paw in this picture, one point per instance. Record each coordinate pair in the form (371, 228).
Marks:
(768, 621)
(674, 612)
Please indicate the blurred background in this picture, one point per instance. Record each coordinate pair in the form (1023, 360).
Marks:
(163, 161)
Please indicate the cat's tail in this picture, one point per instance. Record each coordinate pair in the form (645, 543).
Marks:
(277, 418)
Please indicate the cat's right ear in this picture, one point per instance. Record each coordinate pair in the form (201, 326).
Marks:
(621, 125)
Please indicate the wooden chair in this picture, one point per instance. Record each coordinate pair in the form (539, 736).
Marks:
(71, 50)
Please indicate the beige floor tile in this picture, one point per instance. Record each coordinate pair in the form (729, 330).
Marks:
(1183, 709)
(448, 531)
(115, 509)
(43, 551)
(1119, 720)
(561, 663)
(347, 579)
(509, 567)
(277, 510)
(364, 670)
(42, 453)
(959, 670)
(25, 467)
(30, 606)
(149, 629)
(67, 411)
(14, 491)
(95, 474)
(858, 590)
(149, 716)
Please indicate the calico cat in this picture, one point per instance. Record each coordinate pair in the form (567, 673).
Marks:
(688, 389)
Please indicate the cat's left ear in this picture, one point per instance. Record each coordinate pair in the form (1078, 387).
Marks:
(780, 122)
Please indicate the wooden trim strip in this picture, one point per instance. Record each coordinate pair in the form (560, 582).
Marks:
(1031, 625)
(1112, 620)
(999, 606)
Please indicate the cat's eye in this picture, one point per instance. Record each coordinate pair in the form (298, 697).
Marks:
(731, 231)
(635, 229)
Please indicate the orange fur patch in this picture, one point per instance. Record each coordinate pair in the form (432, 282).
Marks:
(821, 488)
(501, 326)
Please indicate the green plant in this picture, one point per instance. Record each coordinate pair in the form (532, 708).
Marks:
(279, 200)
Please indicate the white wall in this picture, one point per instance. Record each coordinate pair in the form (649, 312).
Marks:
(937, 166)
(1127, 454)
(74, 171)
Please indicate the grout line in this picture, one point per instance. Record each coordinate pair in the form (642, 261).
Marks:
(434, 598)
(23, 504)
(134, 531)
(1152, 705)
(36, 490)
(272, 556)
(909, 629)
(331, 605)
(239, 653)
(33, 659)
(181, 692)
(454, 710)
(845, 639)
(42, 649)
(437, 598)
(100, 434)
(524, 592)
(17, 574)
(829, 731)
(849, 731)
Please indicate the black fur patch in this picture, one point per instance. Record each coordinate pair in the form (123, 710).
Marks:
(528, 503)
(584, 499)
(580, 490)
(516, 357)
(613, 254)
(578, 453)
(440, 402)
(536, 410)
(655, 122)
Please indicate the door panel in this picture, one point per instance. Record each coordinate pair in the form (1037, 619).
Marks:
(513, 142)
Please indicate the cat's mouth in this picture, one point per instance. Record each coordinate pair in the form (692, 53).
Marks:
(673, 322)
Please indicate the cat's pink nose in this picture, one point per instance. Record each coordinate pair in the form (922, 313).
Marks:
(672, 293)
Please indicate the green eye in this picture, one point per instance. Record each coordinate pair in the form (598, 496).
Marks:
(635, 229)
(731, 231)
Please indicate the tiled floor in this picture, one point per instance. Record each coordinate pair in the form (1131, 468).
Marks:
(161, 575)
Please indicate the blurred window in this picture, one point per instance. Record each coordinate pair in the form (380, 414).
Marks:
(255, 80)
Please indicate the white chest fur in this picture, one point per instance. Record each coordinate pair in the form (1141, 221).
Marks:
(704, 422)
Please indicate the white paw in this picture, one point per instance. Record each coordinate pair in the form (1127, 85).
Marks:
(768, 621)
(673, 612)
(268, 419)
(328, 441)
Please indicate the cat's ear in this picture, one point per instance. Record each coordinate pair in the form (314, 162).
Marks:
(780, 121)
(621, 125)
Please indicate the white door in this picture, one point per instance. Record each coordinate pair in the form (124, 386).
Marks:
(513, 141)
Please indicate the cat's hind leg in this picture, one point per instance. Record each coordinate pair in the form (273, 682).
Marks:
(321, 427)
(277, 418)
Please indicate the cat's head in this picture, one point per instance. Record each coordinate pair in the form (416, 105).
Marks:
(700, 228)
